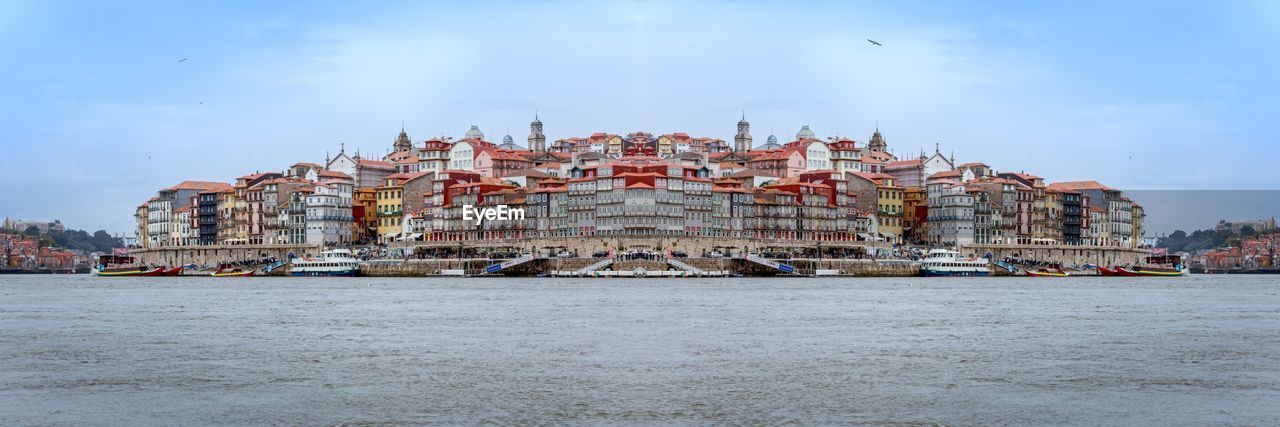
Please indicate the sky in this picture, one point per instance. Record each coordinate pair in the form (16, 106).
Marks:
(97, 111)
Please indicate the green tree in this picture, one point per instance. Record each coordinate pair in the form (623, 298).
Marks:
(1178, 234)
(33, 231)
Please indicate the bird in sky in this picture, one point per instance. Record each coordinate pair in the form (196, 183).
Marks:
(874, 42)
(182, 60)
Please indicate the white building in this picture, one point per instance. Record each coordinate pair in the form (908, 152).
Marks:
(462, 156)
(950, 213)
(159, 214)
(329, 214)
(180, 232)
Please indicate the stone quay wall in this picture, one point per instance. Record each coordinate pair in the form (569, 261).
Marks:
(694, 246)
(420, 267)
(1064, 254)
(216, 254)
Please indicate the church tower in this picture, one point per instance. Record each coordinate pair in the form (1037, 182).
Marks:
(402, 141)
(742, 141)
(537, 141)
(877, 142)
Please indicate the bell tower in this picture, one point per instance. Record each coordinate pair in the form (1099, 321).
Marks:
(742, 141)
(877, 142)
(402, 141)
(537, 141)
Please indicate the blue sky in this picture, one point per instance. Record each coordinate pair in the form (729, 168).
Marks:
(98, 113)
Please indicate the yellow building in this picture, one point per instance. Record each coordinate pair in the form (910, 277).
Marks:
(390, 207)
(889, 206)
(1052, 216)
(226, 216)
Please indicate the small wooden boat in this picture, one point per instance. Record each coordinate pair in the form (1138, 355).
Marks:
(1152, 271)
(128, 271)
(1046, 273)
(234, 272)
(1157, 266)
(172, 271)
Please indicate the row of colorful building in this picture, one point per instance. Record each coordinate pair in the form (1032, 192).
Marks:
(1257, 252)
(640, 184)
(22, 252)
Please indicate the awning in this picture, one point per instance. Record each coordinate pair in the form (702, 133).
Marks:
(864, 236)
(392, 235)
(413, 236)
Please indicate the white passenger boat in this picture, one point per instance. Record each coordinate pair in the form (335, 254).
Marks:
(945, 263)
(337, 262)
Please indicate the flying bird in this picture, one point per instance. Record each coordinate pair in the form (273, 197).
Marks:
(182, 60)
(874, 42)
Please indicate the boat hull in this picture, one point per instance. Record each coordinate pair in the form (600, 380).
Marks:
(1045, 274)
(947, 273)
(233, 274)
(1108, 271)
(1143, 272)
(334, 273)
(130, 273)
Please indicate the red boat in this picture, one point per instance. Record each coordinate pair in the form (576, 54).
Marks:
(172, 271)
(1163, 265)
(121, 266)
(1108, 271)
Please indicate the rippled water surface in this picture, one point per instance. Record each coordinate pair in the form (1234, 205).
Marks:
(129, 351)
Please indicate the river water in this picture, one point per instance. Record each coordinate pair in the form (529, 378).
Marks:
(164, 351)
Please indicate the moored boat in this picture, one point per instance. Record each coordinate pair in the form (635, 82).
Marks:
(128, 271)
(232, 273)
(948, 263)
(227, 271)
(121, 266)
(1044, 272)
(172, 271)
(337, 262)
(1157, 266)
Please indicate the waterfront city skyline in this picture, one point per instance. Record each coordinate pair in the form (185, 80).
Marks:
(230, 90)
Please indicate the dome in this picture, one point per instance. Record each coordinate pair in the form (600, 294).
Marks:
(474, 133)
(805, 133)
(507, 140)
(771, 143)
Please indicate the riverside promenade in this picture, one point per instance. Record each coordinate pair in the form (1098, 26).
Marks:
(636, 258)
